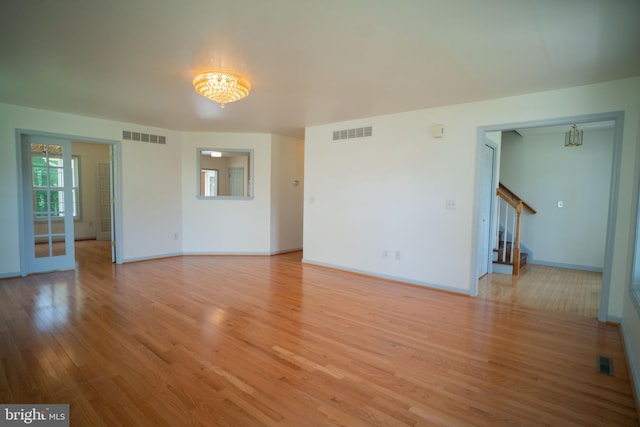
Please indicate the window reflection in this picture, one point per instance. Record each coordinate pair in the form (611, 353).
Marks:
(51, 308)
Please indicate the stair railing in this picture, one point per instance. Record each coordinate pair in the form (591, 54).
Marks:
(511, 224)
(513, 196)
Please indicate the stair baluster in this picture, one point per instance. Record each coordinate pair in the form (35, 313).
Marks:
(508, 240)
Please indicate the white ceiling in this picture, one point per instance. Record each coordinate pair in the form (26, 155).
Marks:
(308, 62)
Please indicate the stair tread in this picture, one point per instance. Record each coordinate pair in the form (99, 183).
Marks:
(523, 260)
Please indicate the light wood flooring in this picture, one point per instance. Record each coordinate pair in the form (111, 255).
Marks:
(556, 289)
(256, 340)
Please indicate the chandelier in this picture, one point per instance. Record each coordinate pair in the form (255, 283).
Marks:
(573, 137)
(43, 148)
(221, 87)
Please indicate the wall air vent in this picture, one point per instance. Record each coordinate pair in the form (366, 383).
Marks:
(143, 137)
(352, 133)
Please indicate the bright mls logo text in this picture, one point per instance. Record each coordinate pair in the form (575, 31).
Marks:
(44, 415)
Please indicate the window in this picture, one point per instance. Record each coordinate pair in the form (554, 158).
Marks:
(225, 173)
(209, 182)
(55, 187)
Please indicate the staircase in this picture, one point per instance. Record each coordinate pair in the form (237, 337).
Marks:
(502, 260)
(507, 256)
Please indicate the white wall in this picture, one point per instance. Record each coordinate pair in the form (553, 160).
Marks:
(226, 226)
(388, 193)
(541, 170)
(150, 196)
(287, 167)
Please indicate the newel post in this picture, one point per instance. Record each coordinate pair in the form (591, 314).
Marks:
(516, 250)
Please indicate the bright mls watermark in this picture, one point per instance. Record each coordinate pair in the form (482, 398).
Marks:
(34, 415)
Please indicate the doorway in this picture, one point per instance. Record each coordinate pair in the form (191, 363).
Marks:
(96, 201)
(617, 119)
(59, 203)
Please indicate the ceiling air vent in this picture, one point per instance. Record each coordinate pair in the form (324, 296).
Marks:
(352, 133)
(143, 137)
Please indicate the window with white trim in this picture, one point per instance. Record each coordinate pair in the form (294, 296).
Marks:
(56, 187)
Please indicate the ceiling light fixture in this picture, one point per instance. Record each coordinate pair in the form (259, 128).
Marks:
(221, 87)
(212, 153)
(573, 137)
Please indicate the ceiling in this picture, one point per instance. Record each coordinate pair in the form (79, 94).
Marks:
(309, 63)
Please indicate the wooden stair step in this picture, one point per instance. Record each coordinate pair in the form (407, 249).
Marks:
(523, 259)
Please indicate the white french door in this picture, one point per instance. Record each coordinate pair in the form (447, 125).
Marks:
(48, 204)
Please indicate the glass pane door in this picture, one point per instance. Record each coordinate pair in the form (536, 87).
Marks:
(47, 183)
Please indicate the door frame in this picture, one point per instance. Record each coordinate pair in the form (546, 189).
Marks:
(116, 161)
(618, 118)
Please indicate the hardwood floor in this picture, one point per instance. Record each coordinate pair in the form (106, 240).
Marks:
(251, 341)
(561, 290)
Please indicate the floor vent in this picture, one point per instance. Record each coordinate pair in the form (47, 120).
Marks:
(605, 365)
(352, 133)
(143, 137)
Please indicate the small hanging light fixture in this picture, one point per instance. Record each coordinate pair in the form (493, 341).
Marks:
(573, 137)
(221, 87)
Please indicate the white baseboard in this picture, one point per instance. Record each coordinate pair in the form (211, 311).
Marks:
(388, 277)
(569, 266)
